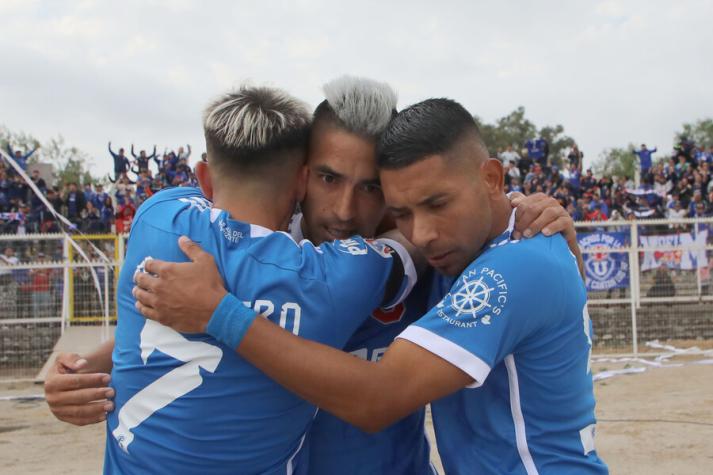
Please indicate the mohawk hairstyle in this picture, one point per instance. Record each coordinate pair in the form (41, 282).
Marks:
(358, 105)
(248, 129)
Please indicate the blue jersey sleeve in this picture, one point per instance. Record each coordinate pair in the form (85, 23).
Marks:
(363, 275)
(502, 300)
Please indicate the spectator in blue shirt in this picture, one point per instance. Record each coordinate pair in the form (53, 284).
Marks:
(19, 157)
(100, 197)
(644, 155)
(75, 203)
(121, 163)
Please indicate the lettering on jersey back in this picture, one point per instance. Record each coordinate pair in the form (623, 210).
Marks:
(290, 313)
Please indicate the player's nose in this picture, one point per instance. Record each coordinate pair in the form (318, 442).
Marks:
(423, 233)
(345, 205)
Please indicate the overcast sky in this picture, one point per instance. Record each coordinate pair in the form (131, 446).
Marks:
(140, 72)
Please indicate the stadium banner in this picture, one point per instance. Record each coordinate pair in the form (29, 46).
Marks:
(684, 259)
(604, 270)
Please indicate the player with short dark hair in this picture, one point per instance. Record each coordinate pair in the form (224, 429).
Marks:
(534, 411)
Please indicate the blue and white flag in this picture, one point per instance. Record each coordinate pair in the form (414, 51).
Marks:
(604, 270)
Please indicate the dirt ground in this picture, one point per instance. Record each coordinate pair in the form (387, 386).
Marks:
(659, 422)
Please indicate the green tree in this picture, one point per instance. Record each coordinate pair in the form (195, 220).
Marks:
(18, 140)
(515, 129)
(70, 163)
(616, 162)
(701, 132)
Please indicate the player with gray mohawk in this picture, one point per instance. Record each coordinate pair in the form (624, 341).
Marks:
(363, 106)
(343, 199)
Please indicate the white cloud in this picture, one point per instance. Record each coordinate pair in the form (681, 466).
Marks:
(611, 72)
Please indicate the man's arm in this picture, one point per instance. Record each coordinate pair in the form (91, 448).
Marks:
(369, 395)
(76, 388)
(29, 154)
(132, 151)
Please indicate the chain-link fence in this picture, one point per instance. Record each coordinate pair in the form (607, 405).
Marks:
(47, 284)
(646, 280)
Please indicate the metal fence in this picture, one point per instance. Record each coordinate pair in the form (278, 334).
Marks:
(55, 284)
(647, 280)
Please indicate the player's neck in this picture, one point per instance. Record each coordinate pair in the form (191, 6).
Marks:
(501, 216)
(252, 208)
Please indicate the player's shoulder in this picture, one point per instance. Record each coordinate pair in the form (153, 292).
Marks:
(180, 211)
(535, 265)
(521, 253)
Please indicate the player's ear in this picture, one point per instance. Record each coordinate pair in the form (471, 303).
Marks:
(204, 180)
(493, 175)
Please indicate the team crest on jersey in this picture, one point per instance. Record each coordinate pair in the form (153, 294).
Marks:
(388, 317)
(352, 246)
(381, 248)
(477, 297)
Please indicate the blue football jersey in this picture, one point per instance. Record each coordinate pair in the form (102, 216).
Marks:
(335, 446)
(515, 320)
(185, 403)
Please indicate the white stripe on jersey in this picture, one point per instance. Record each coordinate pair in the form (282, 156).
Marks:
(449, 351)
(517, 417)
(290, 467)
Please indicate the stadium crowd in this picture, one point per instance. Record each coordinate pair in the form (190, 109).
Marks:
(90, 208)
(677, 186)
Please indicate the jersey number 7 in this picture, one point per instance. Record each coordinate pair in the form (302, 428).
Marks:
(170, 386)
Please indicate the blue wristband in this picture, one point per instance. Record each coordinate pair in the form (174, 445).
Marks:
(230, 321)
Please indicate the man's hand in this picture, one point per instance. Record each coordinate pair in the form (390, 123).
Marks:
(181, 296)
(540, 213)
(76, 397)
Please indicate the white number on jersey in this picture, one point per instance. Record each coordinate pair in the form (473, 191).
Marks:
(170, 386)
(290, 313)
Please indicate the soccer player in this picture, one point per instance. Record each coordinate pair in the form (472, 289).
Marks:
(343, 199)
(513, 322)
(186, 403)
